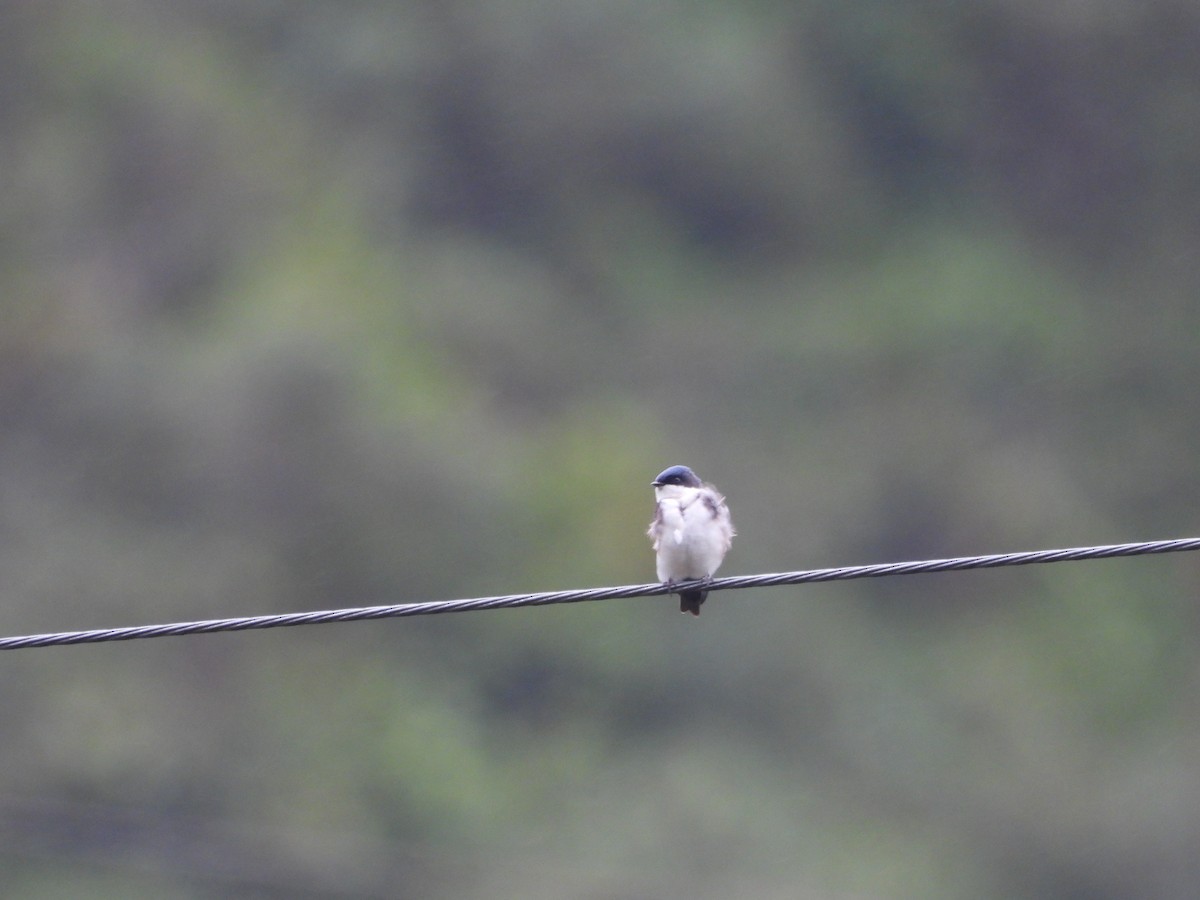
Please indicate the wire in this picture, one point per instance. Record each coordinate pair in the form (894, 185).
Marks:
(846, 573)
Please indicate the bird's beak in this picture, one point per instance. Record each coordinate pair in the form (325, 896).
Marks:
(656, 484)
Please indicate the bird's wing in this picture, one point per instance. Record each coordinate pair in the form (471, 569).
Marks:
(715, 503)
(656, 525)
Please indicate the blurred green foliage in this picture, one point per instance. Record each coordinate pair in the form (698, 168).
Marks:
(315, 305)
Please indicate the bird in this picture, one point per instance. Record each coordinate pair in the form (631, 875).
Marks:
(691, 532)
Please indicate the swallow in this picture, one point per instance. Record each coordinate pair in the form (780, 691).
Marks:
(691, 532)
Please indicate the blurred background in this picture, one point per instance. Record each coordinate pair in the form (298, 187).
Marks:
(312, 305)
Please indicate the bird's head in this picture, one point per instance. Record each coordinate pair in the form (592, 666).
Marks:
(677, 476)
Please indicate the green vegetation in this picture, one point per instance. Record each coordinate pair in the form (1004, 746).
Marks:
(305, 306)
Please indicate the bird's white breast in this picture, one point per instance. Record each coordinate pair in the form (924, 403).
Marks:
(691, 540)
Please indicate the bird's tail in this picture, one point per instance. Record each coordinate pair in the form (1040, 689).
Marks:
(689, 601)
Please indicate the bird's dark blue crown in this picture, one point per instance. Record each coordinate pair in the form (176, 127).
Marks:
(680, 475)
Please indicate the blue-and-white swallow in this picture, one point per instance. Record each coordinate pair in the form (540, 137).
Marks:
(691, 531)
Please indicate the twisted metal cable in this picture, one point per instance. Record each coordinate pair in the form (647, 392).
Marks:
(845, 573)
